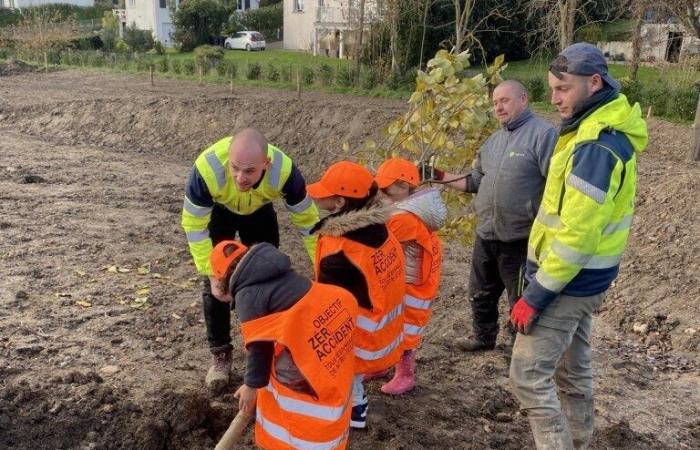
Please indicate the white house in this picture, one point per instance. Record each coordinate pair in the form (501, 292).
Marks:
(324, 25)
(151, 15)
(25, 3)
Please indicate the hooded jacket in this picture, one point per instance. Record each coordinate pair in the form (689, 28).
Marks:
(365, 226)
(264, 283)
(427, 206)
(583, 224)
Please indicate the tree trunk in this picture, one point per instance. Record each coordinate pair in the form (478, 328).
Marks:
(394, 34)
(637, 38)
(358, 46)
(566, 25)
(458, 26)
(422, 41)
(695, 155)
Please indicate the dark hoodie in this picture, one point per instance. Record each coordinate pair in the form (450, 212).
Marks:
(365, 226)
(264, 283)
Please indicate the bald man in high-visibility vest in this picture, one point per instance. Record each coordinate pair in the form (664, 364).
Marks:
(230, 192)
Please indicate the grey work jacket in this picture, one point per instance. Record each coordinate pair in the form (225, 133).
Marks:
(509, 175)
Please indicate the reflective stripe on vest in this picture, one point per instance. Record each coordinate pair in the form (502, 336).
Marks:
(624, 224)
(307, 408)
(196, 236)
(413, 330)
(372, 326)
(283, 435)
(218, 169)
(196, 210)
(548, 220)
(371, 356)
(417, 303)
(587, 261)
(301, 206)
(275, 170)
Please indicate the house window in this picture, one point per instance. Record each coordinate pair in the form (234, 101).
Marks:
(162, 4)
(298, 5)
(132, 3)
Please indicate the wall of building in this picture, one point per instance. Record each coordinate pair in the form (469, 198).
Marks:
(148, 15)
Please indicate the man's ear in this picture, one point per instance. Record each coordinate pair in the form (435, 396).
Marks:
(595, 83)
(268, 161)
(340, 203)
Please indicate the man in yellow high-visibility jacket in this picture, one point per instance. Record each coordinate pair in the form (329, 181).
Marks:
(575, 246)
(230, 190)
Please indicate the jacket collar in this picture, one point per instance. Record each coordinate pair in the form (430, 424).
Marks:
(518, 121)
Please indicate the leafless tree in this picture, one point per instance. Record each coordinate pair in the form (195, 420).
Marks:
(688, 12)
(556, 21)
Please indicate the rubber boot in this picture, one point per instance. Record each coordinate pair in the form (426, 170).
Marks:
(218, 374)
(551, 433)
(580, 415)
(404, 376)
(474, 344)
(375, 375)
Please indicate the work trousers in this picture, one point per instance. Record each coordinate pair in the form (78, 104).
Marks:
(555, 356)
(496, 265)
(260, 226)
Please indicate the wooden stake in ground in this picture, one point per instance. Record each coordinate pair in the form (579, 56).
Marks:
(695, 155)
(230, 86)
(233, 434)
(298, 84)
(150, 74)
(199, 71)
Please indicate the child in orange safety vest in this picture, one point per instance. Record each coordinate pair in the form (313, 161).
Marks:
(356, 251)
(417, 216)
(299, 340)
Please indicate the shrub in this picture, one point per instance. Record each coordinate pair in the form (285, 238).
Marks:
(307, 76)
(632, 90)
(138, 40)
(176, 66)
(254, 71)
(344, 77)
(189, 67)
(325, 74)
(656, 96)
(590, 33)
(196, 20)
(393, 81)
(409, 79)
(264, 19)
(208, 56)
(272, 73)
(162, 65)
(159, 48)
(120, 46)
(682, 101)
(370, 78)
(110, 30)
(536, 89)
(227, 68)
(286, 73)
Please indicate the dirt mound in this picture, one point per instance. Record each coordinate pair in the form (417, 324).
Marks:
(15, 67)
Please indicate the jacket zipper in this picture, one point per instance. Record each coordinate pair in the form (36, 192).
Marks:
(495, 183)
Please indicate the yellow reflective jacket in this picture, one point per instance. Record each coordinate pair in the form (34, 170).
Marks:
(211, 170)
(581, 229)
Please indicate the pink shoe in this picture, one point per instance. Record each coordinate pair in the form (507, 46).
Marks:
(404, 377)
(375, 375)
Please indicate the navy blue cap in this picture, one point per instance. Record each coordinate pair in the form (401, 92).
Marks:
(582, 59)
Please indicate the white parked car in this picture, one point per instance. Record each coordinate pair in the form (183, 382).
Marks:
(245, 40)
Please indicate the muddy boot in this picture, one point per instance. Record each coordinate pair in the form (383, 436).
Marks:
(551, 433)
(474, 344)
(580, 415)
(218, 374)
(404, 377)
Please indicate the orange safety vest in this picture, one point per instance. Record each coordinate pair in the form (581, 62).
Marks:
(318, 331)
(418, 300)
(379, 334)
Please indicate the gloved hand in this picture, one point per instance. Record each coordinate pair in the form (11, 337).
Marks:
(523, 316)
(428, 171)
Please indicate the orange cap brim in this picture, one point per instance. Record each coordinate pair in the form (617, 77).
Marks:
(317, 190)
(384, 182)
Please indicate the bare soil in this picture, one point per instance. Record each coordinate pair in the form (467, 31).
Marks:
(102, 342)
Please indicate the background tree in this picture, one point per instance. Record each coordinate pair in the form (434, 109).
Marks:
(688, 12)
(196, 21)
(110, 31)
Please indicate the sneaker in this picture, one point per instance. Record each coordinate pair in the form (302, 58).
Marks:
(358, 417)
(218, 375)
(473, 344)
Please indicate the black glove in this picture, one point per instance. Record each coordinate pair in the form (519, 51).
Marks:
(428, 171)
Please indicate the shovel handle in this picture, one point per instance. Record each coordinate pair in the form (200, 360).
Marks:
(234, 432)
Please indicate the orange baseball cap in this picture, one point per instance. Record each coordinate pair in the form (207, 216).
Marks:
(224, 255)
(343, 178)
(396, 169)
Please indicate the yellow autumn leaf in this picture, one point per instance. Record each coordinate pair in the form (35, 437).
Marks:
(83, 303)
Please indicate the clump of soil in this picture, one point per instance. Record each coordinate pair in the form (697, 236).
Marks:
(15, 67)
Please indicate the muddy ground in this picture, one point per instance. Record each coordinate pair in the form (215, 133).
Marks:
(102, 342)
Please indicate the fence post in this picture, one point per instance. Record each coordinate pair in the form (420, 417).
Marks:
(298, 84)
(150, 73)
(695, 155)
(230, 86)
